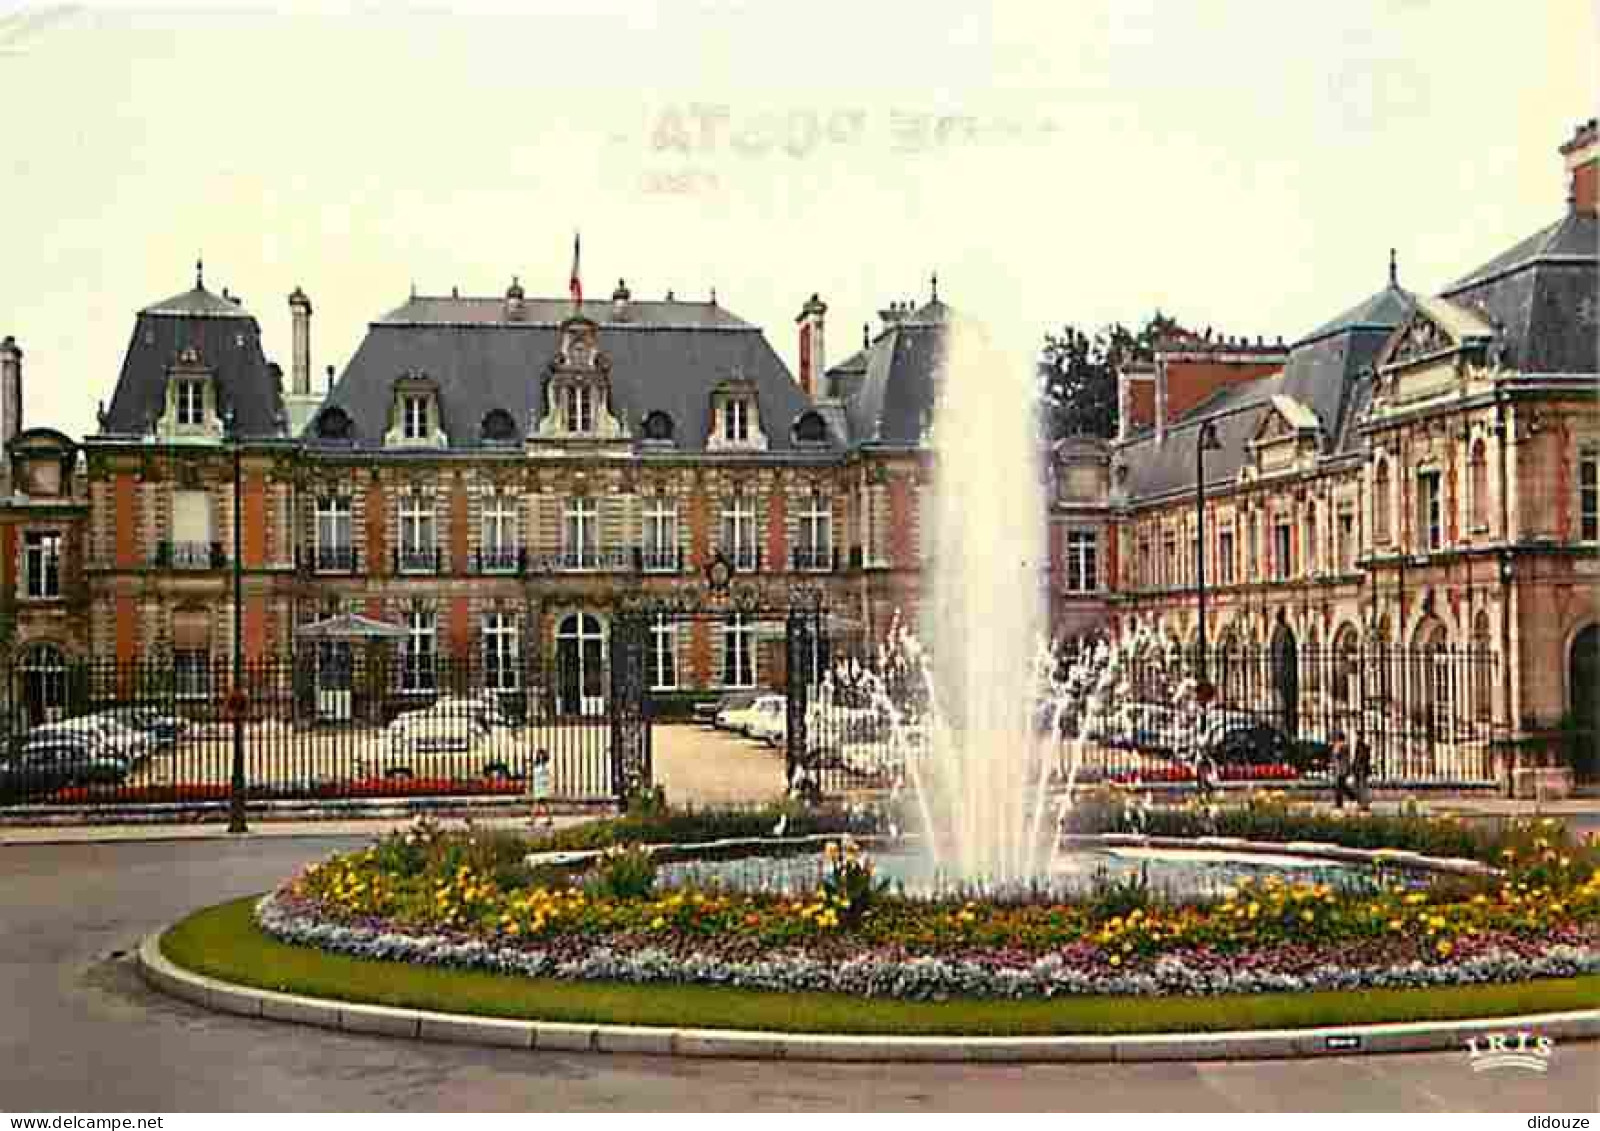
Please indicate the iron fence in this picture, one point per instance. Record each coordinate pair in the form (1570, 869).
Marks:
(1425, 717)
(330, 723)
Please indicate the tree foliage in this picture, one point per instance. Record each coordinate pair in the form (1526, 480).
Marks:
(1078, 373)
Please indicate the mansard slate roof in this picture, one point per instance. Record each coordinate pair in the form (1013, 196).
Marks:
(1324, 375)
(228, 340)
(897, 390)
(1540, 297)
(665, 356)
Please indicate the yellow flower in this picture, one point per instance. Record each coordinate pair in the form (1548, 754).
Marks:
(1307, 916)
(657, 923)
(1444, 948)
(1396, 925)
(1116, 960)
(1254, 909)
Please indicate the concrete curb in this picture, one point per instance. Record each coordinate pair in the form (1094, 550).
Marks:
(227, 997)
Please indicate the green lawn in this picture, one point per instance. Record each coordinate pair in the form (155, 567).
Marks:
(224, 943)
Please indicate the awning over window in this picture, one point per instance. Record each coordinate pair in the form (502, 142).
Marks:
(191, 630)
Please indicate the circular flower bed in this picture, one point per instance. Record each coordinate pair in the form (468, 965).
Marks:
(467, 899)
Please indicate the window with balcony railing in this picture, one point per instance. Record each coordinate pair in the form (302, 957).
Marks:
(580, 541)
(334, 551)
(659, 552)
(814, 550)
(739, 535)
(418, 551)
(498, 550)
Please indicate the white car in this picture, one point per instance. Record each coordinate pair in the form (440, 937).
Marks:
(106, 733)
(737, 711)
(769, 719)
(449, 724)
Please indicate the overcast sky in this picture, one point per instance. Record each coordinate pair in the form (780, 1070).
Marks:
(1244, 165)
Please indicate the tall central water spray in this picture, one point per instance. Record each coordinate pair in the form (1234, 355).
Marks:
(981, 789)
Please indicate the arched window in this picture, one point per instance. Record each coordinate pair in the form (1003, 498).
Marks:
(1478, 486)
(334, 424)
(44, 684)
(1380, 503)
(810, 428)
(658, 426)
(498, 427)
(1481, 660)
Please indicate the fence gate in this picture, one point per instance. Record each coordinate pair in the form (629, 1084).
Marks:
(629, 705)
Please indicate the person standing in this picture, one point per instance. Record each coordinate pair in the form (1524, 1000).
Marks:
(539, 790)
(1340, 769)
(1361, 768)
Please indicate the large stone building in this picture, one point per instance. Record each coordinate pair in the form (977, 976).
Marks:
(492, 474)
(1413, 478)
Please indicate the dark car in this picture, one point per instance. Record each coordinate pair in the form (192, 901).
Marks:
(1261, 744)
(48, 764)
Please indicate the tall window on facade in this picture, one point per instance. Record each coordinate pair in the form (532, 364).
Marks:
(1252, 549)
(501, 671)
(736, 419)
(191, 529)
(41, 564)
(417, 537)
(663, 653)
(1347, 542)
(1145, 579)
(739, 532)
(1589, 494)
(1225, 556)
(815, 551)
(191, 673)
(578, 408)
(738, 651)
(334, 548)
(414, 416)
(418, 652)
(1083, 566)
(581, 534)
(660, 536)
(44, 684)
(1282, 550)
(1478, 485)
(1480, 659)
(1312, 556)
(191, 398)
(1430, 510)
(497, 546)
(1380, 504)
(1169, 559)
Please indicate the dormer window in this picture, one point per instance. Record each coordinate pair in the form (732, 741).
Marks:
(810, 429)
(333, 424)
(736, 420)
(736, 417)
(658, 427)
(578, 408)
(414, 416)
(190, 398)
(498, 427)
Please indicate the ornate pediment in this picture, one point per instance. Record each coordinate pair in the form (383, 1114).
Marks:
(1420, 337)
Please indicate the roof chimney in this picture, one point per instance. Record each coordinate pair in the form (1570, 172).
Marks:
(1582, 153)
(300, 363)
(619, 300)
(812, 363)
(10, 403)
(515, 305)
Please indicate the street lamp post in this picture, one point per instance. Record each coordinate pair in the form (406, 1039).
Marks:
(236, 696)
(1204, 442)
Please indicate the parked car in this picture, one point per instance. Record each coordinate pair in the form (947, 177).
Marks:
(769, 719)
(1261, 744)
(164, 729)
(733, 710)
(64, 761)
(93, 734)
(447, 725)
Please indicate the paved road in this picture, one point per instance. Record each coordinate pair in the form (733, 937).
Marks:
(82, 1033)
